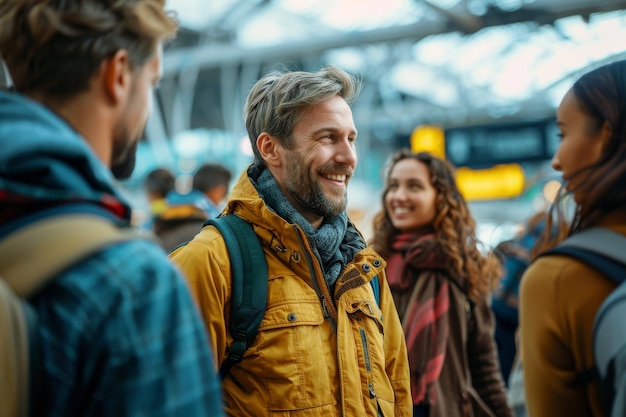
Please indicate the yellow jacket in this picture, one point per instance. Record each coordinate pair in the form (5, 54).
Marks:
(311, 357)
(560, 297)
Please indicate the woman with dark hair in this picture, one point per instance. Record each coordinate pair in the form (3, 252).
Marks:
(441, 284)
(559, 295)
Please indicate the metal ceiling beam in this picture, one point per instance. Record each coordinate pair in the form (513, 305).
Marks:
(207, 56)
(458, 15)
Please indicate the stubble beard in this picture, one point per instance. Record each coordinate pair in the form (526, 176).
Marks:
(124, 157)
(308, 193)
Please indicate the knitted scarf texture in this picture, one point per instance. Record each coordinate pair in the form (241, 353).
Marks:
(417, 260)
(327, 240)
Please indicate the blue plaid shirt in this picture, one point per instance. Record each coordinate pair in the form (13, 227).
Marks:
(121, 336)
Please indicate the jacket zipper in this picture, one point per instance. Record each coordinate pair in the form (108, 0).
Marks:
(368, 365)
(321, 288)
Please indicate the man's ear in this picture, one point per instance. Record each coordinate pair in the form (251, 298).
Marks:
(269, 148)
(116, 77)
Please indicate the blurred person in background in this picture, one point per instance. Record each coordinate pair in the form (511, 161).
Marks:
(185, 213)
(441, 285)
(320, 349)
(560, 296)
(514, 255)
(158, 184)
(118, 332)
(213, 180)
(181, 219)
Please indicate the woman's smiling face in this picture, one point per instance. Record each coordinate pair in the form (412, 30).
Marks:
(410, 198)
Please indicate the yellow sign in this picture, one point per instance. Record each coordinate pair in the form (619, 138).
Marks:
(428, 138)
(499, 181)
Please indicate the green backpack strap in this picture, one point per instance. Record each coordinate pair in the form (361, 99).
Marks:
(249, 284)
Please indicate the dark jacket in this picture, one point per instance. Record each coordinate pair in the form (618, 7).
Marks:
(470, 383)
(177, 225)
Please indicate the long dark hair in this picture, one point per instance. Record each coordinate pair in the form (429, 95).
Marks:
(601, 187)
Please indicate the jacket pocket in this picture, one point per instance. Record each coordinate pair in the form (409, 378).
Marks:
(368, 332)
(366, 309)
(292, 348)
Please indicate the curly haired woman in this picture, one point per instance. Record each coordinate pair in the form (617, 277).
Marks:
(441, 284)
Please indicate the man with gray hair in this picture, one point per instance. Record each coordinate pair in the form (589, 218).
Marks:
(326, 344)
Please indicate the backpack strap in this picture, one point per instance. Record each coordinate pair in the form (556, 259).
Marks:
(609, 345)
(599, 247)
(15, 326)
(249, 284)
(602, 250)
(60, 241)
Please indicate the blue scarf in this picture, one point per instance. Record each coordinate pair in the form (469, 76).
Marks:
(329, 240)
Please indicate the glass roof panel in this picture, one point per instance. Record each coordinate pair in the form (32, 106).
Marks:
(349, 15)
(495, 66)
(272, 26)
(198, 14)
(509, 63)
(370, 14)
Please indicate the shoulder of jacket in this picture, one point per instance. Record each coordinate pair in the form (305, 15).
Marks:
(128, 273)
(558, 275)
(126, 251)
(558, 266)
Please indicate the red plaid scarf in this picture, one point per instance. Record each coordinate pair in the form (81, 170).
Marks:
(417, 264)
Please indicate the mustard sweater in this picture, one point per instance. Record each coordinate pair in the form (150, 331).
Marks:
(559, 300)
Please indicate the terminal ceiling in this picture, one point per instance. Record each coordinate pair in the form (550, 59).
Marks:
(446, 62)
